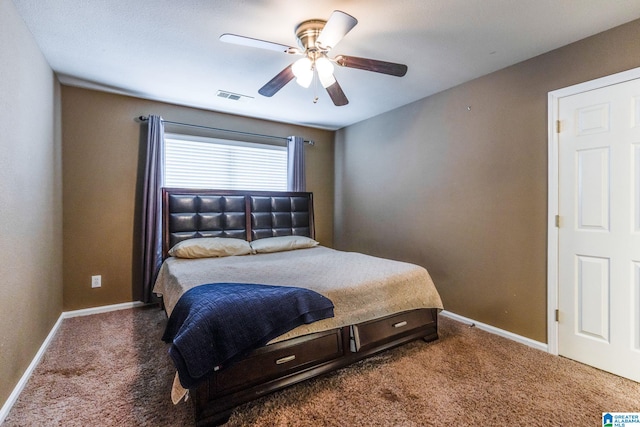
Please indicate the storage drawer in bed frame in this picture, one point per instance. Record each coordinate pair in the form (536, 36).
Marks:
(376, 332)
(279, 359)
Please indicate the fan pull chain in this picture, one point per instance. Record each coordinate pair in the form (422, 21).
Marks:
(315, 84)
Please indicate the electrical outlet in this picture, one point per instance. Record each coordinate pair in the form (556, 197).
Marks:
(96, 281)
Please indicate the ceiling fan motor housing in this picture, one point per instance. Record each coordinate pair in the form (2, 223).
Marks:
(307, 33)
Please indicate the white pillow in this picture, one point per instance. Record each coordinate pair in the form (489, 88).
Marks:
(209, 247)
(282, 243)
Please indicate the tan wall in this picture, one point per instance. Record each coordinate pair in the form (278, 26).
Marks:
(464, 192)
(30, 199)
(101, 194)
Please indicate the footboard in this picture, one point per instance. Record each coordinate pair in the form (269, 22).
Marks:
(285, 363)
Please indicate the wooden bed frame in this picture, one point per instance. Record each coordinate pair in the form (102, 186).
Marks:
(189, 213)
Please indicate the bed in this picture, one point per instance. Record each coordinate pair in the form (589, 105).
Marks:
(377, 304)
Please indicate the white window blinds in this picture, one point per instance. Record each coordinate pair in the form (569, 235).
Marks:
(198, 162)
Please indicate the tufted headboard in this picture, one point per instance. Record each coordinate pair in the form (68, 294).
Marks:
(249, 215)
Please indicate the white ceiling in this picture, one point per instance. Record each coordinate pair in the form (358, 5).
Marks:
(168, 50)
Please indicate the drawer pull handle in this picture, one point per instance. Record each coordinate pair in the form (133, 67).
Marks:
(285, 359)
(400, 324)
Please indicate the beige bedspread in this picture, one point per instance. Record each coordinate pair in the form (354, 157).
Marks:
(360, 286)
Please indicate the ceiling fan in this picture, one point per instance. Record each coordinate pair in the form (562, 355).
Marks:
(316, 38)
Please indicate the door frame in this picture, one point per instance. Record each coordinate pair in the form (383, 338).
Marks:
(553, 191)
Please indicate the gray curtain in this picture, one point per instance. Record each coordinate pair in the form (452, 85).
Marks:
(152, 206)
(296, 180)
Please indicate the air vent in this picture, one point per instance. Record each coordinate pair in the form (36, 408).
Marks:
(233, 96)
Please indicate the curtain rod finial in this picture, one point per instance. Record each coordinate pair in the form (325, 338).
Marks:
(142, 118)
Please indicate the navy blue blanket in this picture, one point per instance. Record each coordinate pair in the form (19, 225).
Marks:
(217, 324)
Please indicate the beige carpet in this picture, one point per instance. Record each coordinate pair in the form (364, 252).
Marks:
(103, 370)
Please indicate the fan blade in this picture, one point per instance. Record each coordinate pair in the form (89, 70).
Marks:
(338, 25)
(277, 83)
(261, 44)
(374, 65)
(337, 95)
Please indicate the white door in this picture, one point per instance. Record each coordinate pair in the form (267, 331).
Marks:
(599, 228)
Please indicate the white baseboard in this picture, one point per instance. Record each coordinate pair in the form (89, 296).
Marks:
(501, 332)
(102, 309)
(13, 397)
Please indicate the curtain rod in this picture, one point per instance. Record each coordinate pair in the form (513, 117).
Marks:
(145, 118)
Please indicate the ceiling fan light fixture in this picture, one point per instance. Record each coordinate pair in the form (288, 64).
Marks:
(327, 80)
(305, 81)
(325, 71)
(303, 70)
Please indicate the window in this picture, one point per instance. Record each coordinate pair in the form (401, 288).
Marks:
(199, 162)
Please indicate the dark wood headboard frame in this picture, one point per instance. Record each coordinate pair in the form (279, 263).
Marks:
(249, 215)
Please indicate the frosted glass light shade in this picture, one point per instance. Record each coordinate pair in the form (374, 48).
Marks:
(303, 71)
(325, 72)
